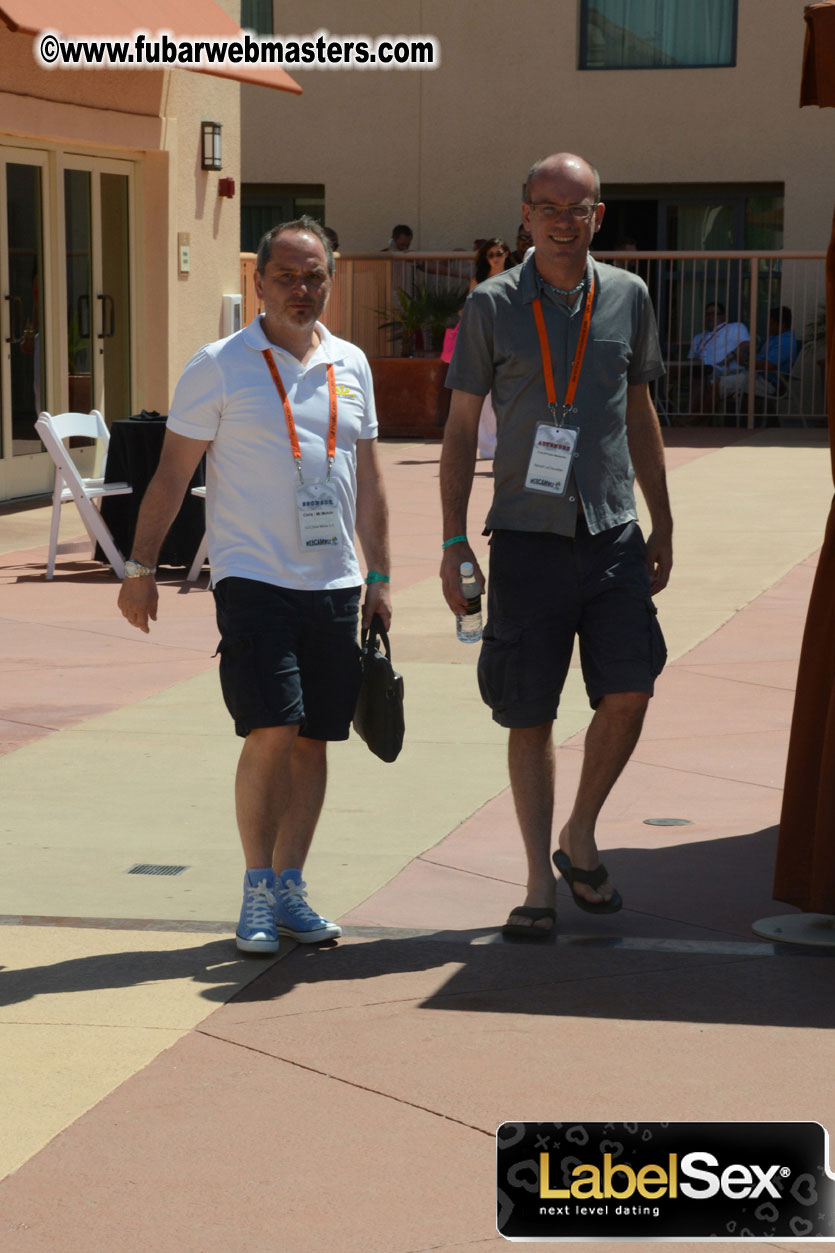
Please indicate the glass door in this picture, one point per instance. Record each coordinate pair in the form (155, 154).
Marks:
(24, 467)
(98, 311)
(114, 299)
(78, 239)
(65, 302)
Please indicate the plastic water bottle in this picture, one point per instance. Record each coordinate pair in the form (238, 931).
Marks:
(468, 625)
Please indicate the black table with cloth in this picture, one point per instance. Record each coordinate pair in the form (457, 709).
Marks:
(133, 456)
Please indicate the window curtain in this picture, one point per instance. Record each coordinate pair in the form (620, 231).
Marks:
(257, 15)
(633, 34)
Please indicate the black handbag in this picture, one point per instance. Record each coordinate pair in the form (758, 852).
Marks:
(378, 717)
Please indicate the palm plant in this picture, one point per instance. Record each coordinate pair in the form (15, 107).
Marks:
(424, 309)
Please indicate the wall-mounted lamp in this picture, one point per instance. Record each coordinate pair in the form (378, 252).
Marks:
(211, 155)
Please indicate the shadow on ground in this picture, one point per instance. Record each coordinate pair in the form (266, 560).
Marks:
(681, 951)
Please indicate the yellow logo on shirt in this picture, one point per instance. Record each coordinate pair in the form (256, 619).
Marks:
(343, 390)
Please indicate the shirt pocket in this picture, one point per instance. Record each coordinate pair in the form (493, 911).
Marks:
(609, 359)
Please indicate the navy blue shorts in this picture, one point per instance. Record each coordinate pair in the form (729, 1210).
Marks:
(289, 657)
(543, 590)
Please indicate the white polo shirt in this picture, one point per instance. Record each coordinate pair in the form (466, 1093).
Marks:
(714, 347)
(227, 395)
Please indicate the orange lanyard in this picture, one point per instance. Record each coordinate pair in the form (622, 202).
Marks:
(547, 367)
(288, 414)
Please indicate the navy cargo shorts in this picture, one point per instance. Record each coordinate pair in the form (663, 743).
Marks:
(543, 590)
(289, 657)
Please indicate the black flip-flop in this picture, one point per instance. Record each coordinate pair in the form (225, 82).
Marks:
(518, 931)
(593, 878)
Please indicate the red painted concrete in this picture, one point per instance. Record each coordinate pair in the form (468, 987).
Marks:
(347, 1099)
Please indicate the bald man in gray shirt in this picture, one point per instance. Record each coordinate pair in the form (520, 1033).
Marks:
(567, 347)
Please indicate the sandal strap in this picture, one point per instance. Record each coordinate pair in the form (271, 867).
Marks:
(593, 878)
(534, 912)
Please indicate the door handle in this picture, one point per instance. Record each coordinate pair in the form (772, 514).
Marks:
(108, 317)
(15, 306)
(82, 307)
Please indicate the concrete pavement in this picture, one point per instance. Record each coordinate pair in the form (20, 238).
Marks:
(162, 1092)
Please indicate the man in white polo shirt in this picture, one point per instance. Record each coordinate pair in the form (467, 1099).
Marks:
(718, 348)
(286, 414)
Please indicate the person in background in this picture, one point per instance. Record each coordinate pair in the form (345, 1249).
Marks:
(401, 239)
(492, 258)
(524, 239)
(773, 362)
(717, 348)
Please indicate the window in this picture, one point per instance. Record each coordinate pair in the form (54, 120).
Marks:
(264, 205)
(257, 15)
(710, 217)
(656, 34)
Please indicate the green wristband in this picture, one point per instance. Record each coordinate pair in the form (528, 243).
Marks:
(374, 576)
(456, 539)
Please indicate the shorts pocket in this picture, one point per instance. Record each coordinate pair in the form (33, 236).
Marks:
(499, 664)
(657, 644)
(238, 677)
(259, 681)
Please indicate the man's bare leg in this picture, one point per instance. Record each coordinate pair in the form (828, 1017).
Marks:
(262, 790)
(308, 780)
(279, 792)
(530, 755)
(610, 741)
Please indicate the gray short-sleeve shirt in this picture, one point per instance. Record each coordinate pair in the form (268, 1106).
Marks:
(497, 351)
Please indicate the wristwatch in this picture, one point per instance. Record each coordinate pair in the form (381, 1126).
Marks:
(135, 570)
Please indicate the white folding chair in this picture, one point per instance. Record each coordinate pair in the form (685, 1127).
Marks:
(69, 484)
(203, 551)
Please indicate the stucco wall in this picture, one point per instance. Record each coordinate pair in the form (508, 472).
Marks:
(446, 150)
(212, 222)
(152, 118)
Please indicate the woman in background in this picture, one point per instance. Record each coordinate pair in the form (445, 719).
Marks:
(492, 258)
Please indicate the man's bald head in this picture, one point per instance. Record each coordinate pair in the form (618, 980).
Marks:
(569, 168)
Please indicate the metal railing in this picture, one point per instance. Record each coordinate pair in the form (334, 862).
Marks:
(748, 284)
(418, 292)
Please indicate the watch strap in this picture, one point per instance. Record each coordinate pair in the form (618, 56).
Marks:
(136, 570)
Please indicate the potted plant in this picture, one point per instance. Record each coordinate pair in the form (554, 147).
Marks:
(421, 317)
(410, 315)
(412, 401)
(442, 309)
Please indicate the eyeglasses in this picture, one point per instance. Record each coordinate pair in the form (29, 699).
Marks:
(496, 254)
(550, 212)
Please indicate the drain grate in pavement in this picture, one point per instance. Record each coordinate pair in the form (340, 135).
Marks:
(149, 868)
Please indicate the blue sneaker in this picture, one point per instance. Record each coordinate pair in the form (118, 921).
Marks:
(256, 930)
(293, 915)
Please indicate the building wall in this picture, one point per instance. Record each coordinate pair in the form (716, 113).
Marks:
(151, 118)
(446, 150)
(195, 208)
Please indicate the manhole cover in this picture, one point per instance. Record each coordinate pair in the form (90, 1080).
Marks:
(667, 822)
